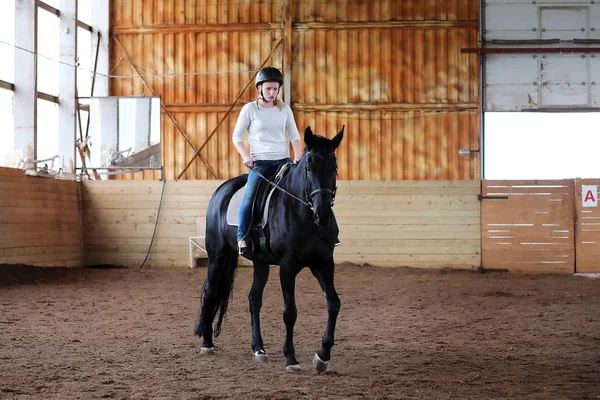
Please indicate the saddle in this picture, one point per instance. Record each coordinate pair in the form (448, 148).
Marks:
(260, 202)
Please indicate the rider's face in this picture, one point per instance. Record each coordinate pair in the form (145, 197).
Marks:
(269, 90)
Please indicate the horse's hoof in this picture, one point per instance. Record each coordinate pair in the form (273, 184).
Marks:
(207, 351)
(320, 365)
(260, 356)
(292, 368)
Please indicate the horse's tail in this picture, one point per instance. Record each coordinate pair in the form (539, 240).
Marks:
(222, 260)
(218, 290)
(225, 288)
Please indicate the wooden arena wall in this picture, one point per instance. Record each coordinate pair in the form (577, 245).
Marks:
(391, 71)
(520, 226)
(39, 220)
(412, 223)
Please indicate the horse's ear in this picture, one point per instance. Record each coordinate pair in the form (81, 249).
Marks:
(308, 137)
(338, 138)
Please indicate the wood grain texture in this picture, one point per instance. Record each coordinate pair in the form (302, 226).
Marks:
(39, 220)
(392, 72)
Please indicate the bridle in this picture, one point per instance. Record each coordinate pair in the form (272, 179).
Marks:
(310, 195)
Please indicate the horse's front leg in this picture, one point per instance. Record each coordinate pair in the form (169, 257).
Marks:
(287, 276)
(324, 273)
(255, 297)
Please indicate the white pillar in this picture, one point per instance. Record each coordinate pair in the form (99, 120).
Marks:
(68, 83)
(100, 19)
(25, 115)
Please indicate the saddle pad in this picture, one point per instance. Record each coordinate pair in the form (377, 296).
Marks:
(233, 210)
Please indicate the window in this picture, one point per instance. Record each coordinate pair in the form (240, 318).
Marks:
(537, 145)
(48, 52)
(84, 11)
(47, 129)
(52, 3)
(7, 159)
(7, 41)
(85, 60)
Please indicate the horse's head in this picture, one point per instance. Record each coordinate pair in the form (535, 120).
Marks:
(321, 173)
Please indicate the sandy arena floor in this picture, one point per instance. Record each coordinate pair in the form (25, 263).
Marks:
(402, 334)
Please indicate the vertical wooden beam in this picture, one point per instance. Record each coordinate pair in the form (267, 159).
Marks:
(67, 83)
(25, 78)
(288, 39)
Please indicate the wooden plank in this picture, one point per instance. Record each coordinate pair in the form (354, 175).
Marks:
(158, 241)
(409, 235)
(409, 228)
(408, 213)
(133, 257)
(49, 251)
(53, 260)
(118, 198)
(93, 218)
(179, 251)
(18, 194)
(4, 171)
(587, 231)
(37, 187)
(403, 259)
(137, 263)
(8, 204)
(406, 190)
(16, 220)
(146, 213)
(43, 241)
(37, 229)
(411, 184)
(396, 264)
(199, 205)
(406, 250)
(447, 220)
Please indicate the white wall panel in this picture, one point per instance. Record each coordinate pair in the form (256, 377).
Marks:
(511, 69)
(511, 97)
(520, 81)
(564, 23)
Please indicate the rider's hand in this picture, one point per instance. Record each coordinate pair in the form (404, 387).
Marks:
(248, 162)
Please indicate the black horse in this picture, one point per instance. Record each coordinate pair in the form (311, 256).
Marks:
(301, 232)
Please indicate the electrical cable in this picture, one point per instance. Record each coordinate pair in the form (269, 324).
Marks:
(156, 223)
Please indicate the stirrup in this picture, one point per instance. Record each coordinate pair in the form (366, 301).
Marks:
(246, 250)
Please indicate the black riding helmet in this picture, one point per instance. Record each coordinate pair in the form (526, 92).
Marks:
(269, 74)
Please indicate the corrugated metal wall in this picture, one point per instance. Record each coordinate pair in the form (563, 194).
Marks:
(391, 71)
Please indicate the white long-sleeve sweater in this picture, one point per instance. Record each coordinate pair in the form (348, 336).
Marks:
(266, 129)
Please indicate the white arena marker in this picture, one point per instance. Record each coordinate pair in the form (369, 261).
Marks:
(589, 195)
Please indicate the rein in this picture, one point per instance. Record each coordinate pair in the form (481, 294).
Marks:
(276, 186)
(308, 196)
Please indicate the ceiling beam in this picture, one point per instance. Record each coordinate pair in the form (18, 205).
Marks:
(191, 28)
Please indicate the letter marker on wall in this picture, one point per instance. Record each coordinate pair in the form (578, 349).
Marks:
(589, 195)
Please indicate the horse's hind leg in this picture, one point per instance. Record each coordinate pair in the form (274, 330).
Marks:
(217, 289)
(324, 273)
(255, 297)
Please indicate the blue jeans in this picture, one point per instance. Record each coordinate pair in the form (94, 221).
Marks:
(267, 168)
